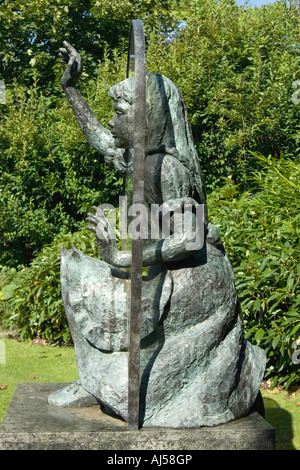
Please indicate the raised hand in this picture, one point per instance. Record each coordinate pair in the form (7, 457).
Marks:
(106, 238)
(103, 228)
(72, 58)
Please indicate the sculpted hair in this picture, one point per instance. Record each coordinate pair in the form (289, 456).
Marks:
(168, 128)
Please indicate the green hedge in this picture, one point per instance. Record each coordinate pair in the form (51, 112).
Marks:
(236, 68)
(30, 299)
(50, 177)
(261, 235)
(260, 231)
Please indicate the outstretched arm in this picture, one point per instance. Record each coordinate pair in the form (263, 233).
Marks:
(97, 136)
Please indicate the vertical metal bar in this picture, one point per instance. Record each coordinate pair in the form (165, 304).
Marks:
(137, 35)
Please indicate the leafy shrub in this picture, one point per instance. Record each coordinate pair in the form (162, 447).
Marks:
(31, 32)
(31, 297)
(260, 232)
(261, 235)
(235, 67)
(50, 177)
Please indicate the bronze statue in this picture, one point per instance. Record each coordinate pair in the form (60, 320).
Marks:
(196, 367)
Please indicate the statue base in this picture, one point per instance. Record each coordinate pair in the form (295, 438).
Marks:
(31, 424)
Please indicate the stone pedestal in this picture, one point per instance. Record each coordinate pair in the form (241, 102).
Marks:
(31, 424)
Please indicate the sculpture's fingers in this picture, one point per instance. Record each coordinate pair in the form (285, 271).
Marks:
(70, 49)
(91, 229)
(99, 212)
(72, 59)
(63, 51)
(92, 218)
(63, 59)
(90, 214)
(72, 52)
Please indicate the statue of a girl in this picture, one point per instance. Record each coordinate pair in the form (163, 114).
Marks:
(196, 368)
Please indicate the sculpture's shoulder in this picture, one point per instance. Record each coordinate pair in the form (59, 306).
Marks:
(169, 175)
(154, 163)
(176, 179)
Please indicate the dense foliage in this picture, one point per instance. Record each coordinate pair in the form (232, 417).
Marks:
(31, 32)
(236, 67)
(50, 177)
(33, 302)
(261, 235)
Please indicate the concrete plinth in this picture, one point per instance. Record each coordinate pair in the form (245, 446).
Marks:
(31, 424)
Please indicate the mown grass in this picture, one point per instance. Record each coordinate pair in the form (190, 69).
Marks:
(30, 362)
(283, 413)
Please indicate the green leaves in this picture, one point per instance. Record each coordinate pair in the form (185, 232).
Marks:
(261, 235)
(50, 178)
(235, 67)
(30, 299)
(32, 31)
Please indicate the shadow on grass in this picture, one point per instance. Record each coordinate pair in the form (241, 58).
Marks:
(281, 420)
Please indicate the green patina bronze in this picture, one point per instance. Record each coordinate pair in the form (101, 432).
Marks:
(196, 369)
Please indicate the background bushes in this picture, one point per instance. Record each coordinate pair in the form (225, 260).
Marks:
(260, 231)
(235, 66)
(31, 296)
(50, 177)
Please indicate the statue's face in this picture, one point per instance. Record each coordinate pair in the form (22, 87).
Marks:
(121, 124)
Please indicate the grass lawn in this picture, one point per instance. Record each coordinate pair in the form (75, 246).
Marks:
(283, 413)
(26, 362)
